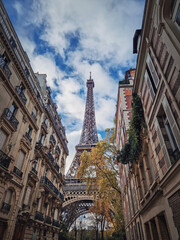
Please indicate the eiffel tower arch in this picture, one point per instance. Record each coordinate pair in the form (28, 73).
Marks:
(77, 202)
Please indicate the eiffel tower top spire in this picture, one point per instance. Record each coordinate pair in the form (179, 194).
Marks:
(89, 131)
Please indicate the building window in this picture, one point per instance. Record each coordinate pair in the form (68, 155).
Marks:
(28, 133)
(34, 114)
(144, 180)
(13, 110)
(41, 140)
(46, 172)
(175, 12)
(150, 165)
(168, 133)
(7, 201)
(3, 138)
(55, 214)
(5, 58)
(20, 160)
(151, 76)
(35, 164)
(21, 88)
(27, 196)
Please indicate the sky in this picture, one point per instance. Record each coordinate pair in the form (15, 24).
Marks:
(67, 39)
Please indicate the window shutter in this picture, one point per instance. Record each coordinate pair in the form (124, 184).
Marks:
(171, 121)
(3, 137)
(8, 196)
(20, 159)
(162, 143)
(150, 88)
(27, 196)
(152, 70)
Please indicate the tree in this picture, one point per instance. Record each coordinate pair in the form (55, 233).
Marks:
(99, 169)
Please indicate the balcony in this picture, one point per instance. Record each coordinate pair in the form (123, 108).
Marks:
(39, 216)
(52, 139)
(58, 149)
(56, 223)
(34, 117)
(4, 67)
(28, 137)
(47, 220)
(17, 172)
(4, 160)
(6, 207)
(45, 181)
(10, 117)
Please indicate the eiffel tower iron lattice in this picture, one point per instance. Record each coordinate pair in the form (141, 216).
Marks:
(89, 137)
(77, 202)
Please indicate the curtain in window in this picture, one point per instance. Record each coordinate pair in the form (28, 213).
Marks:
(27, 196)
(20, 160)
(8, 196)
(3, 137)
(55, 214)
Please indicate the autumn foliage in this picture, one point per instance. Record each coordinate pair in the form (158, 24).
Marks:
(99, 169)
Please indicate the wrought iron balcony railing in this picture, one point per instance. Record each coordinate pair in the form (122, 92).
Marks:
(6, 207)
(10, 117)
(17, 172)
(21, 95)
(52, 139)
(4, 66)
(51, 157)
(34, 117)
(39, 216)
(56, 223)
(4, 160)
(58, 149)
(28, 137)
(47, 220)
(44, 180)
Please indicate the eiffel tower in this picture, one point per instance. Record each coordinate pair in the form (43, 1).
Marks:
(77, 202)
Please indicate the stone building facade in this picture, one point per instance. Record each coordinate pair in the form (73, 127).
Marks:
(33, 146)
(151, 187)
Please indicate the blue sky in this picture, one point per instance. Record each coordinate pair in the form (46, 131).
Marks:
(66, 39)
